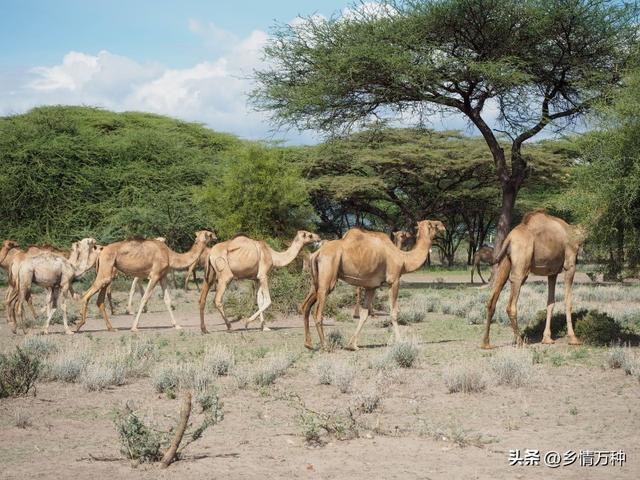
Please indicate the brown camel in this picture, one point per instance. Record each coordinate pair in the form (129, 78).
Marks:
(55, 273)
(364, 259)
(398, 238)
(542, 245)
(243, 258)
(483, 255)
(140, 258)
(200, 263)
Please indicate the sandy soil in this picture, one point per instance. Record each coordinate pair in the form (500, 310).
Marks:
(575, 404)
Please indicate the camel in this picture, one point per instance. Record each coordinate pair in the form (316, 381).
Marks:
(483, 255)
(55, 273)
(364, 259)
(398, 238)
(243, 258)
(543, 245)
(11, 253)
(135, 285)
(201, 263)
(140, 258)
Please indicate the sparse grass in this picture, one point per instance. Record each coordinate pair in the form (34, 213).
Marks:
(465, 379)
(104, 373)
(137, 440)
(170, 377)
(369, 400)
(557, 359)
(335, 372)
(616, 357)
(272, 367)
(405, 353)
(21, 419)
(631, 364)
(219, 360)
(452, 432)
(335, 340)
(39, 346)
(513, 368)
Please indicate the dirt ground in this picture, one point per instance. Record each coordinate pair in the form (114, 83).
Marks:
(572, 402)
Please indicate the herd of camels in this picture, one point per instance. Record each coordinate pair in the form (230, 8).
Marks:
(541, 244)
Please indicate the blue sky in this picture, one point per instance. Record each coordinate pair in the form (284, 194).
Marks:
(189, 59)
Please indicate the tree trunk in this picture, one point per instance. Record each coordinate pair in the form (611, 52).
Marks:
(509, 194)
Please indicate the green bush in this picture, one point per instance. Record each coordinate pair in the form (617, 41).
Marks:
(18, 373)
(138, 441)
(598, 328)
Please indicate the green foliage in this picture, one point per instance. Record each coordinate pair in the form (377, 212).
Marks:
(598, 328)
(256, 190)
(18, 373)
(605, 192)
(137, 440)
(70, 172)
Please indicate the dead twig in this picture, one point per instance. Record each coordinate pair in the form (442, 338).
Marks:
(185, 411)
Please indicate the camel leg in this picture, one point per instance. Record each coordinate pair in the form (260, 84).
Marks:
(263, 300)
(103, 310)
(480, 273)
(306, 306)
(95, 288)
(568, 304)
(512, 308)
(368, 298)
(164, 284)
(206, 286)
(501, 278)
(551, 300)
(221, 287)
(321, 297)
(32, 309)
(356, 308)
(110, 299)
(52, 303)
(135, 285)
(145, 298)
(473, 267)
(393, 308)
(190, 272)
(65, 320)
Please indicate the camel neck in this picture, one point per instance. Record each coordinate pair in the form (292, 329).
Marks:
(282, 259)
(415, 258)
(7, 260)
(182, 261)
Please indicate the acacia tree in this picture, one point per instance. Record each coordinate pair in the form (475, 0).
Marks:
(535, 62)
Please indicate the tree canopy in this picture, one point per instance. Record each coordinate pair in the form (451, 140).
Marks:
(534, 62)
(69, 172)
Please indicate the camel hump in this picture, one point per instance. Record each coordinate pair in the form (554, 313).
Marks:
(136, 238)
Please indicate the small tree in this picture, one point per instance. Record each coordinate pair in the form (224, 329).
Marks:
(259, 192)
(535, 62)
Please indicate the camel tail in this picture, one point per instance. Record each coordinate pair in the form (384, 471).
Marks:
(497, 258)
(313, 269)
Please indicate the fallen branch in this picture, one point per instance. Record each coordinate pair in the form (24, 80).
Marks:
(170, 455)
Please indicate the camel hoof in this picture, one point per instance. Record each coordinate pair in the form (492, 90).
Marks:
(352, 347)
(177, 327)
(548, 341)
(266, 329)
(574, 341)
(133, 329)
(204, 331)
(69, 332)
(308, 346)
(486, 346)
(356, 315)
(45, 332)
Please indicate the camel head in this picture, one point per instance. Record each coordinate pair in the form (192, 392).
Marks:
(430, 228)
(161, 239)
(401, 236)
(84, 253)
(205, 236)
(306, 237)
(7, 245)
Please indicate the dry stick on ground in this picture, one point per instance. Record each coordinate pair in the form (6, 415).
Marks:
(185, 411)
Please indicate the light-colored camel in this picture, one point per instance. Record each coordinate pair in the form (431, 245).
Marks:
(364, 259)
(201, 263)
(542, 245)
(483, 255)
(398, 237)
(11, 254)
(55, 273)
(243, 258)
(140, 258)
